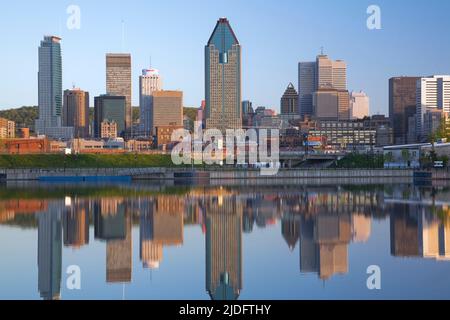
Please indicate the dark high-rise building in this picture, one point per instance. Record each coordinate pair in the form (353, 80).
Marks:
(223, 79)
(289, 101)
(402, 106)
(76, 112)
(110, 109)
(306, 87)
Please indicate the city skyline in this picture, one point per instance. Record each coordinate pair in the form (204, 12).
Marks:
(175, 66)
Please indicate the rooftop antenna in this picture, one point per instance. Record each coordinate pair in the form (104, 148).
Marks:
(321, 50)
(123, 36)
(150, 62)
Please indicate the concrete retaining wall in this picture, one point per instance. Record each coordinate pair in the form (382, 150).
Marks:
(215, 174)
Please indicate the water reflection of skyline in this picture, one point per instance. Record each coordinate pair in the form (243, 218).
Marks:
(319, 223)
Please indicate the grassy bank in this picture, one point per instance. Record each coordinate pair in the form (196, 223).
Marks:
(44, 161)
(361, 161)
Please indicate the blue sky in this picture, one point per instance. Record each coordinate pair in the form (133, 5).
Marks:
(275, 36)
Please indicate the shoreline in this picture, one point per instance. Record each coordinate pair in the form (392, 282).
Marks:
(124, 175)
(194, 174)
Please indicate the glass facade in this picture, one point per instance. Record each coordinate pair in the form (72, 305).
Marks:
(223, 79)
(111, 109)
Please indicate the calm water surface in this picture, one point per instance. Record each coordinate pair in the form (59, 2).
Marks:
(290, 241)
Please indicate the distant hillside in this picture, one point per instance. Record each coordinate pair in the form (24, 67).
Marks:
(25, 116)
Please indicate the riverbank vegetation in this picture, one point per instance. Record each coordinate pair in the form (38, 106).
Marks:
(84, 161)
(361, 161)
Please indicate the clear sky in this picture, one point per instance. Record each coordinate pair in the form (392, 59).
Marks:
(275, 36)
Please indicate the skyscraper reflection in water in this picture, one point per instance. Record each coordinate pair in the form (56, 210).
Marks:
(161, 225)
(323, 223)
(223, 247)
(50, 251)
(113, 225)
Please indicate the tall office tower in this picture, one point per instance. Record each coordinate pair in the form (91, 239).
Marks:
(306, 87)
(149, 82)
(289, 101)
(109, 109)
(167, 109)
(50, 252)
(331, 74)
(433, 93)
(359, 105)
(324, 73)
(402, 106)
(76, 112)
(118, 81)
(331, 104)
(50, 90)
(223, 79)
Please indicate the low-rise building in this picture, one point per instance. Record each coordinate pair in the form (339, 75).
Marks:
(98, 146)
(58, 146)
(108, 130)
(359, 134)
(164, 134)
(409, 155)
(7, 129)
(25, 146)
(139, 145)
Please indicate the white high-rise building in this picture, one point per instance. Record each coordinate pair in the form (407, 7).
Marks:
(359, 105)
(150, 81)
(433, 94)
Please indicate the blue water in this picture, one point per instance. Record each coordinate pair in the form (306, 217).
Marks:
(287, 242)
